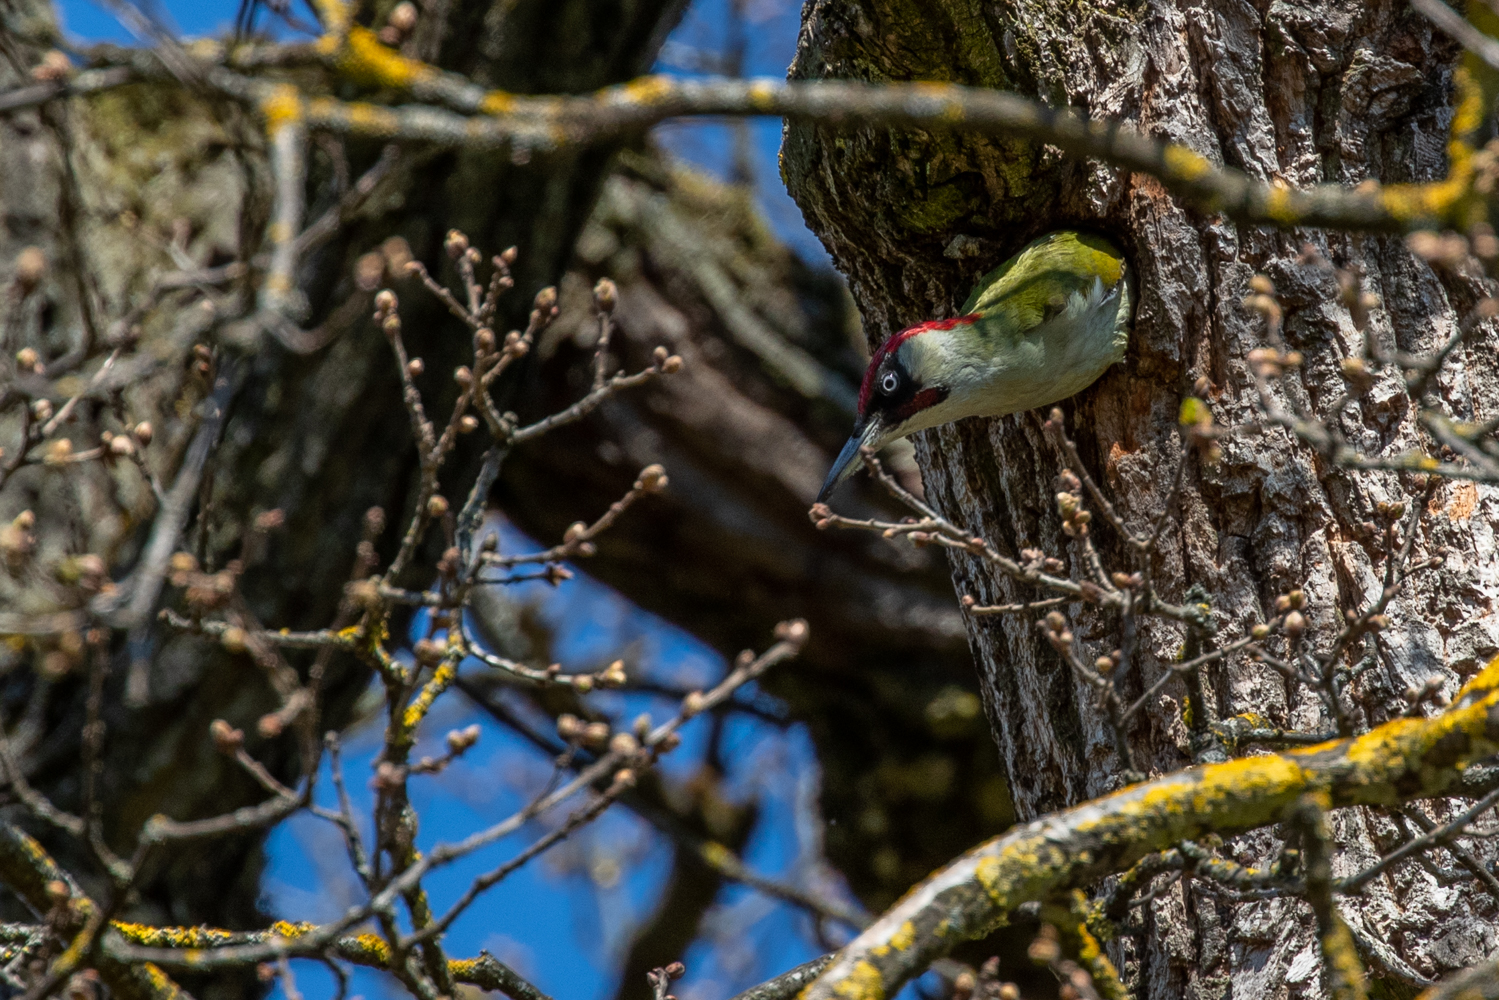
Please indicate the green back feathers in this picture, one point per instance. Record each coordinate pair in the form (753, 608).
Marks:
(1055, 266)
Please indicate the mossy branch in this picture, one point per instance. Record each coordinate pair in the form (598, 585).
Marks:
(455, 112)
(29, 871)
(538, 126)
(1402, 760)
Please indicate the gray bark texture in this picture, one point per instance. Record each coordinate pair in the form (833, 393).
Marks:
(1338, 91)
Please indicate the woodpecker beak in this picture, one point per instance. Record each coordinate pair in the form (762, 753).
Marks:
(849, 459)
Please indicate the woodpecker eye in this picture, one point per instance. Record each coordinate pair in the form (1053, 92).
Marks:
(889, 383)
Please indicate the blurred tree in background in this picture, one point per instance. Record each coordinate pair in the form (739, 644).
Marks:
(115, 189)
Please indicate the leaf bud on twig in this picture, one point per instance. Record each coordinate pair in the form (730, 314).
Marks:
(226, 739)
(569, 727)
(652, 479)
(437, 505)
(605, 295)
(369, 270)
(613, 676)
(596, 735)
(456, 244)
(389, 777)
(235, 639)
(460, 740)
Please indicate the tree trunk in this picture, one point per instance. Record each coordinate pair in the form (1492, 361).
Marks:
(1341, 92)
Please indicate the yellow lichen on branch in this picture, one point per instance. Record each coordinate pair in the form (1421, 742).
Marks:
(548, 124)
(458, 112)
(369, 950)
(1453, 198)
(28, 870)
(1401, 760)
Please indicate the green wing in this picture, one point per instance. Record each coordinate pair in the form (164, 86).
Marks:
(1055, 266)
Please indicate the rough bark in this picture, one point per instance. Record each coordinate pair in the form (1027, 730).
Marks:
(1326, 92)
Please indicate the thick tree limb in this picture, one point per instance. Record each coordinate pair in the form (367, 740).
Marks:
(543, 125)
(1401, 760)
(549, 125)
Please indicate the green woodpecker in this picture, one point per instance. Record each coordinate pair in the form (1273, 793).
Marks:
(1042, 326)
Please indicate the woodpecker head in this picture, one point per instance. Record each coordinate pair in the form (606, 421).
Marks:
(916, 379)
(1042, 326)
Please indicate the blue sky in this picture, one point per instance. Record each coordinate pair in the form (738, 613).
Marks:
(565, 919)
